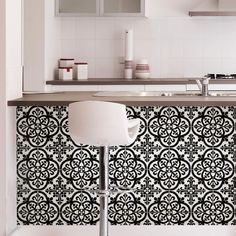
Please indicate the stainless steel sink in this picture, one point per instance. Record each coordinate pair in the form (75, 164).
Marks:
(223, 94)
(211, 94)
(160, 94)
(144, 94)
(180, 94)
(127, 94)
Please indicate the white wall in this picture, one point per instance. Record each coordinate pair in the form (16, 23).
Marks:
(175, 44)
(2, 121)
(52, 41)
(10, 88)
(34, 45)
(13, 91)
(41, 43)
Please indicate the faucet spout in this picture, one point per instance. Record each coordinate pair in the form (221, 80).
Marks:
(203, 85)
(199, 84)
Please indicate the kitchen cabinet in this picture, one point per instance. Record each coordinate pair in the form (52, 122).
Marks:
(77, 7)
(122, 7)
(100, 7)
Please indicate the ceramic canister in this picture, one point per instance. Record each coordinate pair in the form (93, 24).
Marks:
(66, 62)
(81, 70)
(65, 73)
(142, 69)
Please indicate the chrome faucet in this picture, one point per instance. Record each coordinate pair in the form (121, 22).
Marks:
(203, 85)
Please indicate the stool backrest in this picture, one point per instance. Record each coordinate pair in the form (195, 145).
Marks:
(98, 123)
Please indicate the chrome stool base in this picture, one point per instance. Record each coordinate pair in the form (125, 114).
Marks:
(104, 189)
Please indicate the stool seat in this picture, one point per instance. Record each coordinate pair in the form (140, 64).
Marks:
(101, 124)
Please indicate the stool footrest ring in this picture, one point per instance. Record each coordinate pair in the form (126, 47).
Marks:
(120, 189)
(112, 191)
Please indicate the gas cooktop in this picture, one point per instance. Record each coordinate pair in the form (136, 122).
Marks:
(221, 76)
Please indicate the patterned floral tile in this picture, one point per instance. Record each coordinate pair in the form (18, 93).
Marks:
(81, 169)
(60, 190)
(82, 208)
(23, 147)
(37, 208)
(147, 189)
(191, 147)
(169, 169)
(213, 209)
(169, 126)
(168, 209)
(60, 147)
(147, 147)
(191, 190)
(126, 209)
(213, 126)
(37, 169)
(213, 169)
(181, 167)
(126, 168)
(23, 190)
(229, 148)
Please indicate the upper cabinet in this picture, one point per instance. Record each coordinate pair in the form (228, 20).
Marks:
(215, 8)
(122, 7)
(77, 7)
(100, 8)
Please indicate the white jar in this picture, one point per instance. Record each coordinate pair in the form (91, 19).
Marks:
(81, 70)
(66, 62)
(142, 69)
(65, 73)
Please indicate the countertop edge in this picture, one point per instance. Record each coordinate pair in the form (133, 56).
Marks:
(65, 98)
(128, 103)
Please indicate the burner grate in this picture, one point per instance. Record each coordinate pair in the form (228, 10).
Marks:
(221, 76)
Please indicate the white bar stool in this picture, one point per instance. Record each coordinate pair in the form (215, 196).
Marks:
(102, 124)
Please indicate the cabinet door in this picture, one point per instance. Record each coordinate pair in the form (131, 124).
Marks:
(77, 7)
(122, 7)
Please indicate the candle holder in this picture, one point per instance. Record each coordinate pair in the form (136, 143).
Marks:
(128, 69)
(129, 48)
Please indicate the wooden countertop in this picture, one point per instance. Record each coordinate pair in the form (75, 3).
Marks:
(122, 81)
(65, 98)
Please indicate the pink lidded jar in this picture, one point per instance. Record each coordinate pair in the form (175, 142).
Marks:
(66, 62)
(65, 73)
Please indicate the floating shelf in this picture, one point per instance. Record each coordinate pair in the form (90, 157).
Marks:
(212, 13)
(121, 81)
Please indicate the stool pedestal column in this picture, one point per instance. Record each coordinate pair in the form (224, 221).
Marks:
(104, 189)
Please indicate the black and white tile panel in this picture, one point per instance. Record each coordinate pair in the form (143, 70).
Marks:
(182, 166)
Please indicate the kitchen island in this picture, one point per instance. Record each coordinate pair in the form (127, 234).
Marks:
(182, 165)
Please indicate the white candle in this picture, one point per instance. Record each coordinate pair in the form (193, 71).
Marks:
(129, 45)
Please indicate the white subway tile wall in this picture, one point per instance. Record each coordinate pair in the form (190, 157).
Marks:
(52, 48)
(174, 46)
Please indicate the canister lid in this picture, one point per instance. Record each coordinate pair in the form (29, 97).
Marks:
(66, 68)
(81, 63)
(67, 59)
